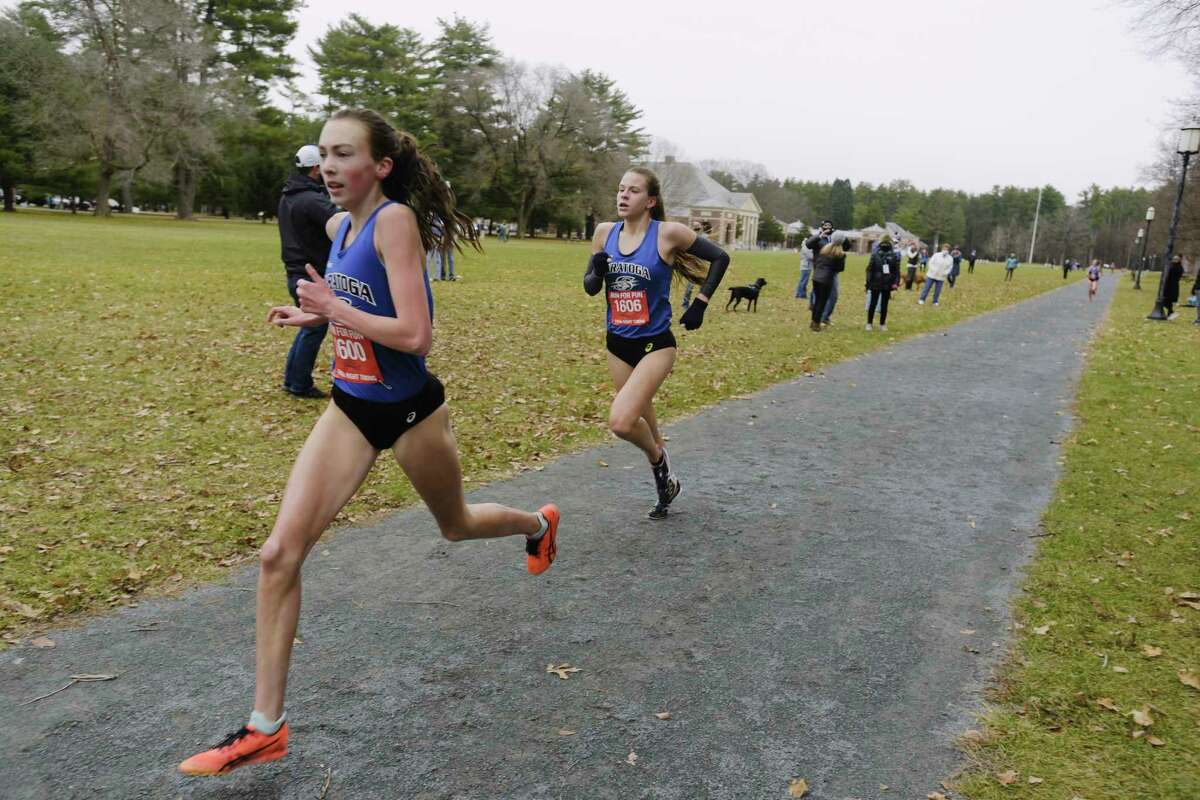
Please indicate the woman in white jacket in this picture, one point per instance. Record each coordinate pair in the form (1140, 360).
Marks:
(939, 267)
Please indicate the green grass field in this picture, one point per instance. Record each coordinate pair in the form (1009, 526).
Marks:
(146, 440)
(1109, 625)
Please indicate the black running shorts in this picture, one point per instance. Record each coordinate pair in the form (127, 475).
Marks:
(382, 424)
(631, 351)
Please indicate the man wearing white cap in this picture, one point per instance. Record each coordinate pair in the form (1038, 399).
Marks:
(303, 211)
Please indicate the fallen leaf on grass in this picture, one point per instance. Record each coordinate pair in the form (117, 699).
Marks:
(797, 787)
(1042, 630)
(17, 607)
(935, 796)
(631, 759)
(565, 732)
(1142, 717)
(1106, 702)
(562, 670)
(1034, 780)
(1189, 599)
(1151, 652)
(663, 715)
(1007, 778)
(1155, 741)
(602, 462)
(1121, 669)
(1189, 679)
(42, 641)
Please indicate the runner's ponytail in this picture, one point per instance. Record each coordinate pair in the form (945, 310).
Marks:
(416, 182)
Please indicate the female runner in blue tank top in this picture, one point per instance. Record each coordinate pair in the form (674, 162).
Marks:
(634, 260)
(376, 299)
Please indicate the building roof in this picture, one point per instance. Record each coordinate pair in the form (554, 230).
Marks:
(686, 186)
(899, 234)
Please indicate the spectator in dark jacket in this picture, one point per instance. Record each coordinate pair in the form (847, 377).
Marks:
(304, 209)
(816, 244)
(829, 262)
(1171, 286)
(955, 267)
(883, 275)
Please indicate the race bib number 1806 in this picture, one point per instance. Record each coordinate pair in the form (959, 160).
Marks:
(629, 307)
(354, 358)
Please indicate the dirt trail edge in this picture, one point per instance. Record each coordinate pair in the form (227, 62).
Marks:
(826, 602)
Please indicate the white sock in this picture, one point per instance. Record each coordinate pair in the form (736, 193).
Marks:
(261, 723)
(545, 526)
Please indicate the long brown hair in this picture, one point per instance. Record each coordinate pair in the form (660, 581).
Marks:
(685, 265)
(416, 182)
(834, 250)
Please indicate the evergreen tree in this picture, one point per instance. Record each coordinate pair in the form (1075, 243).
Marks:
(841, 204)
(381, 67)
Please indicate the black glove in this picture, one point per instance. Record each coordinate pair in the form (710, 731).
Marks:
(694, 316)
(599, 264)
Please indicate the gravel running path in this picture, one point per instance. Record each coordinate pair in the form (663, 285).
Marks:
(826, 601)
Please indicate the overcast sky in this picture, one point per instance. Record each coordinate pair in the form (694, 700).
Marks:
(964, 94)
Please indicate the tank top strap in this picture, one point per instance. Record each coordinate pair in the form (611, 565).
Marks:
(340, 237)
(339, 243)
(648, 249)
(613, 243)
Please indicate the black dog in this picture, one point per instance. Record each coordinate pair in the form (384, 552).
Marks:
(748, 293)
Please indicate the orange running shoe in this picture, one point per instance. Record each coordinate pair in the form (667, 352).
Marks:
(539, 554)
(247, 746)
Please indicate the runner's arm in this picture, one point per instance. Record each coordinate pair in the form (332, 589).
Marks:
(683, 239)
(593, 279)
(290, 316)
(398, 243)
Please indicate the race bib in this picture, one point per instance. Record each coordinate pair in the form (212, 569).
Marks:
(353, 357)
(886, 269)
(629, 307)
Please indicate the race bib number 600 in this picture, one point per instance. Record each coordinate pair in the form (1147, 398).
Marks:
(629, 307)
(354, 358)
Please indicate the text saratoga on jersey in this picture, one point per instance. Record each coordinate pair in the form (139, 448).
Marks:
(344, 283)
(628, 267)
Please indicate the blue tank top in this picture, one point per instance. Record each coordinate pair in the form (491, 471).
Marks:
(362, 368)
(638, 286)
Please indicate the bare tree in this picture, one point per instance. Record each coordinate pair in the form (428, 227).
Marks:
(124, 52)
(1169, 27)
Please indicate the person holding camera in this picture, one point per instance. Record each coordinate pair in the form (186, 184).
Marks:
(830, 261)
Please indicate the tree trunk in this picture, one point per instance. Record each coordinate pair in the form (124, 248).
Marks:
(589, 226)
(10, 195)
(185, 183)
(127, 192)
(103, 190)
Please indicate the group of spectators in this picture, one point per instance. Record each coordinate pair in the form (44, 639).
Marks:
(823, 259)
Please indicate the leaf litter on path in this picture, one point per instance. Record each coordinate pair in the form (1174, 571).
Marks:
(562, 670)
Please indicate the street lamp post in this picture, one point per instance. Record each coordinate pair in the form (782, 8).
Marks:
(1137, 276)
(1137, 246)
(1189, 145)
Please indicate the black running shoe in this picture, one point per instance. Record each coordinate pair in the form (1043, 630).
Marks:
(666, 483)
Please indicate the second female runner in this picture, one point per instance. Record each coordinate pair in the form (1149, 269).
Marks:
(634, 260)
